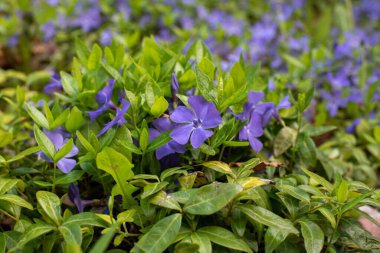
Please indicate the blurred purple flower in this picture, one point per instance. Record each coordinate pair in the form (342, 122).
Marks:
(90, 19)
(48, 30)
(193, 124)
(74, 196)
(52, 2)
(13, 40)
(106, 37)
(352, 128)
(163, 125)
(54, 85)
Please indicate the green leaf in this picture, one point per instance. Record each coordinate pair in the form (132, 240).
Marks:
(86, 144)
(236, 143)
(161, 235)
(266, 217)
(102, 244)
(3, 243)
(126, 216)
(295, 192)
(51, 206)
(61, 119)
(208, 199)
(354, 202)
(71, 177)
(69, 84)
(219, 167)
(119, 167)
(273, 238)
(285, 138)
(307, 149)
(313, 236)
(224, 237)
(239, 222)
(17, 200)
(152, 188)
(75, 120)
(159, 106)
(71, 233)
(6, 184)
(144, 139)
(159, 141)
(22, 154)
(33, 232)
(328, 215)
(37, 116)
(44, 143)
(185, 247)
(206, 86)
(76, 70)
(64, 150)
(342, 192)
(95, 57)
(164, 200)
(207, 67)
(85, 219)
(319, 180)
(203, 241)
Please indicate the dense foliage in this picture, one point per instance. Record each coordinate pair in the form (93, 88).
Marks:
(187, 127)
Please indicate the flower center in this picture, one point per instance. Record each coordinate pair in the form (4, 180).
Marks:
(197, 123)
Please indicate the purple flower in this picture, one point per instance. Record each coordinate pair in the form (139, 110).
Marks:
(251, 131)
(119, 117)
(162, 125)
(103, 97)
(49, 30)
(13, 40)
(52, 2)
(65, 164)
(352, 128)
(89, 20)
(106, 37)
(74, 196)
(174, 87)
(193, 124)
(54, 85)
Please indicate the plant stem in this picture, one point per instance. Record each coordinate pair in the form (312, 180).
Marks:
(54, 174)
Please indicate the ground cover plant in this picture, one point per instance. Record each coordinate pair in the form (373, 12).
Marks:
(188, 127)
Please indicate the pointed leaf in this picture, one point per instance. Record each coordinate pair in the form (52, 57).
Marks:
(313, 236)
(51, 205)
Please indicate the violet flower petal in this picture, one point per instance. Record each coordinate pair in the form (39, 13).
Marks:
(182, 114)
(181, 133)
(199, 136)
(66, 165)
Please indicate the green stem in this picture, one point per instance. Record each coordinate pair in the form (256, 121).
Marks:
(221, 153)
(54, 174)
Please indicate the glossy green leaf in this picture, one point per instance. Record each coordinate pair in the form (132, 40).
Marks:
(101, 244)
(64, 150)
(164, 200)
(85, 219)
(152, 188)
(44, 143)
(17, 200)
(185, 247)
(159, 106)
(86, 144)
(50, 205)
(71, 233)
(342, 192)
(3, 243)
(95, 57)
(75, 120)
(208, 199)
(159, 141)
(33, 232)
(295, 192)
(37, 116)
(218, 166)
(161, 235)
(319, 180)
(328, 215)
(6, 184)
(273, 238)
(313, 236)
(224, 237)
(119, 167)
(203, 242)
(284, 140)
(69, 84)
(263, 216)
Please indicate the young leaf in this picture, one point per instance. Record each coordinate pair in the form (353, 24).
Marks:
(69, 84)
(64, 150)
(144, 139)
(119, 167)
(284, 140)
(162, 199)
(313, 236)
(95, 57)
(85, 219)
(224, 237)
(159, 106)
(208, 199)
(86, 144)
(159, 141)
(37, 116)
(102, 244)
(161, 235)
(152, 188)
(342, 192)
(51, 206)
(44, 143)
(17, 200)
(218, 166)
(75, 120)
(203, 241)
(319, 180)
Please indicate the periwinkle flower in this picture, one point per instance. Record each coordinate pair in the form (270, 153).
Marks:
(74, 195)
(162, 125)
(352, 128)
(48, 30)
(54, 85)
(119, 117)
(193, 124)
(174, 87)
(65, 164)
(252, 130)
(106, 37)
(13, 40)
(103, 97)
